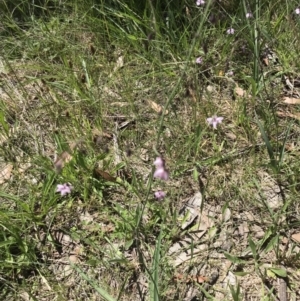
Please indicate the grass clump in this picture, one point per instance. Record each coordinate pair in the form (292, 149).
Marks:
(92, 93)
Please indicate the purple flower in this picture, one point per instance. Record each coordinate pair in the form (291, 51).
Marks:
(249, 15)
(159, 194)
(199, 60)
(161, 173)
(230, 73)
(159, 162)
(200, 2)
(230, 31)
(214, 121)
(297, 11)
(64, 189)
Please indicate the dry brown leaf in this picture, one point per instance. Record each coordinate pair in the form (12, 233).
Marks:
(296, 237)
(107, 135)
(100, 137)
(258, 231)
(291, 100)
(226, 215)
(289, 147)
(265, 61)
(144, 154)
(190, 211)
(105, 175)
(120, 104)
(73, 258)
(25, 296)
(186, 254)
(78, 250)
(239, 91)
(5, 173)
(64, 157)
(287, 114)
(200, 279)
(120, 62)
(230, 280)
(231, 135)
(211, 89)
(156, 107)
(107, 228)
(189, 278)
(192, 94)
(3, 138)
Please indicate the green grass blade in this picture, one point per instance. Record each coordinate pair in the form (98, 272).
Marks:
(281, 155)
(154, 288)
(271, 154)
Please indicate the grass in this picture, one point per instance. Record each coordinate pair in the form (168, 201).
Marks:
(91, 93)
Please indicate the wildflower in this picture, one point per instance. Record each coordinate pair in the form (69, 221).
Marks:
(159, 162)
(161, 173)
(230, 73)
(214, 121)
(159, 194)
(230, 31)
(64, 189)
(249, 15)
(297, 11)
(199, 60)
(200, 2)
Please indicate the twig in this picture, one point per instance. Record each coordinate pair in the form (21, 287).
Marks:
(282, 289)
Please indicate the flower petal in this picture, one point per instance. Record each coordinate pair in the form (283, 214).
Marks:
(159, 194)
(214, 121)
(64, 189)
(159, 162)
(59, 187)
(161, 173)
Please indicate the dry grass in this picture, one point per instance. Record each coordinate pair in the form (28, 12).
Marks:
(79, 108)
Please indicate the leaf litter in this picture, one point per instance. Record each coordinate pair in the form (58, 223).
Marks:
(6, 173)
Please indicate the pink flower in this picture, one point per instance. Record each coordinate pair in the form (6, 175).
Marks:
(214, 121)
(161, 173)
(159, 194)
(64, 189)
(199, 60)
(249, 15)
(159, 162)
(230, 31)
(200, 2)
(297, 11)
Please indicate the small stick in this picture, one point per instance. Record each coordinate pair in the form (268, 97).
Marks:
(282, 289)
